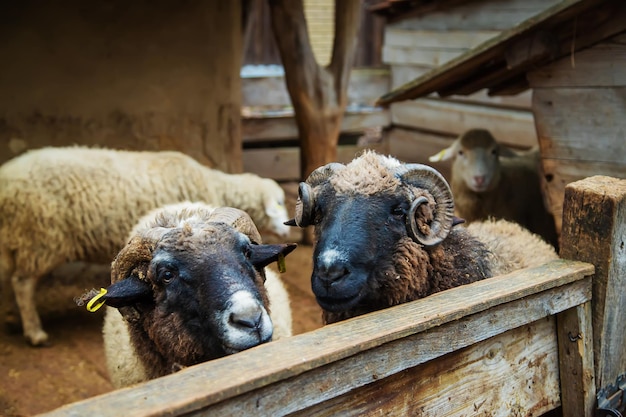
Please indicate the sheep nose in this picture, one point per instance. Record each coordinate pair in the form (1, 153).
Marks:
(330, 274)
(479, 180)
(248, 317)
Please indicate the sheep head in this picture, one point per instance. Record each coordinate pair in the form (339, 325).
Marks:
(363, 213)
(476, 159)
(196, 287)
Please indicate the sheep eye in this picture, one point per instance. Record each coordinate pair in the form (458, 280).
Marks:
(460, 153)
(166, 275)
(397, 211)
(494, 152)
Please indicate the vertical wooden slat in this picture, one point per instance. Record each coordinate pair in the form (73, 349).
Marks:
(594, 231)
(575, 340)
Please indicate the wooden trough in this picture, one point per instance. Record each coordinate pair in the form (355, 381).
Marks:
(521, 344)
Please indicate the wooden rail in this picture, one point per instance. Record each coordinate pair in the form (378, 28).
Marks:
(517, 344)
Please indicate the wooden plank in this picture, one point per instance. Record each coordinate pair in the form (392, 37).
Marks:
(485, 61)
(559, 173)
(569, 131)
(415, 146)
(577, 375)
(402, 74)
(262, 129)
(436, 39)
(576, 143)
(514, 373)
(477, 15)
(599, 66)
(594, 227)
(417, 55)
(365, 86)
(511, 127)
(513, 299)
(283, 163)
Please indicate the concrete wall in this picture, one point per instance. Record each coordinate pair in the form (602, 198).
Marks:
(125, 74)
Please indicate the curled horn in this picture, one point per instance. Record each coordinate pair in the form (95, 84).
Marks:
(238, 219)
(425, 177)
(306, 200)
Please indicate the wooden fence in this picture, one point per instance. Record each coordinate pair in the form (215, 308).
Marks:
(518, 344)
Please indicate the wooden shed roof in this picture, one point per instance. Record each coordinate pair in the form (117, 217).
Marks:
(501, 63)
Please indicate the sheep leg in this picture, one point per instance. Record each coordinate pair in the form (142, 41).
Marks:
(24, 288)
(9, 306)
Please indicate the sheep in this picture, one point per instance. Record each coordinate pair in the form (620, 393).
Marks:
(67, 204)
(385, 234)
(191, 285)
(489, 180)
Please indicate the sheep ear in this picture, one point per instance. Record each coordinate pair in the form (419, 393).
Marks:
(263, 255)
(128, 291)
(506, 151)
(445, 154)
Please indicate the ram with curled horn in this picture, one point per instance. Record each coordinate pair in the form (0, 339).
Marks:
(190, 286)
(385, 234)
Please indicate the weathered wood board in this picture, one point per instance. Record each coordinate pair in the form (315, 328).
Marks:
(310, 369)
(283, 163)
(512, 127)
(366, 85)
(594, 230)
(581, 132)
(477, 15)
(599, 66)
(270, 128)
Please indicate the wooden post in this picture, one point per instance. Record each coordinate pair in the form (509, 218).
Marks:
(594, 231)
(576, 373)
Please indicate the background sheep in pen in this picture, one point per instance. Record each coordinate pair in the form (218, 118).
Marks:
(191, 286)
(60, 205)
(489, 180)
(386, 234)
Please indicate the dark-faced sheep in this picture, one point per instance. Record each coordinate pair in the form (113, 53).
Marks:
(386, 234)
(191, 286)
(492, 181)
(60, 205)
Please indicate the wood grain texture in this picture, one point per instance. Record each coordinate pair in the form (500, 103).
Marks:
(576, 371)
(264, 129)
(602, 65)
(512, 127)
(577, 143)
(594, 229)
(514, 373)
(283, 163)
(331, 354)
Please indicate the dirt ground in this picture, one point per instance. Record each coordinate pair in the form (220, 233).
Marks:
(72, 368)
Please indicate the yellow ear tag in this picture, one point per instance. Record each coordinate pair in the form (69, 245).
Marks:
(281, 263)
(92, 306)
(438, 156)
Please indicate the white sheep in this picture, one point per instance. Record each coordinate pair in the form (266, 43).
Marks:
(190, 286)
(386, 234)
(59, 205)
(493, 181)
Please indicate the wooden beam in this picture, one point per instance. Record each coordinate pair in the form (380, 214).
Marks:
(514, 127)
(295, 373)
(593, 230)
(576, 371)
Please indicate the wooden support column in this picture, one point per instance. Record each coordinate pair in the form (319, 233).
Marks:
(575, 339)
(594, 231)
